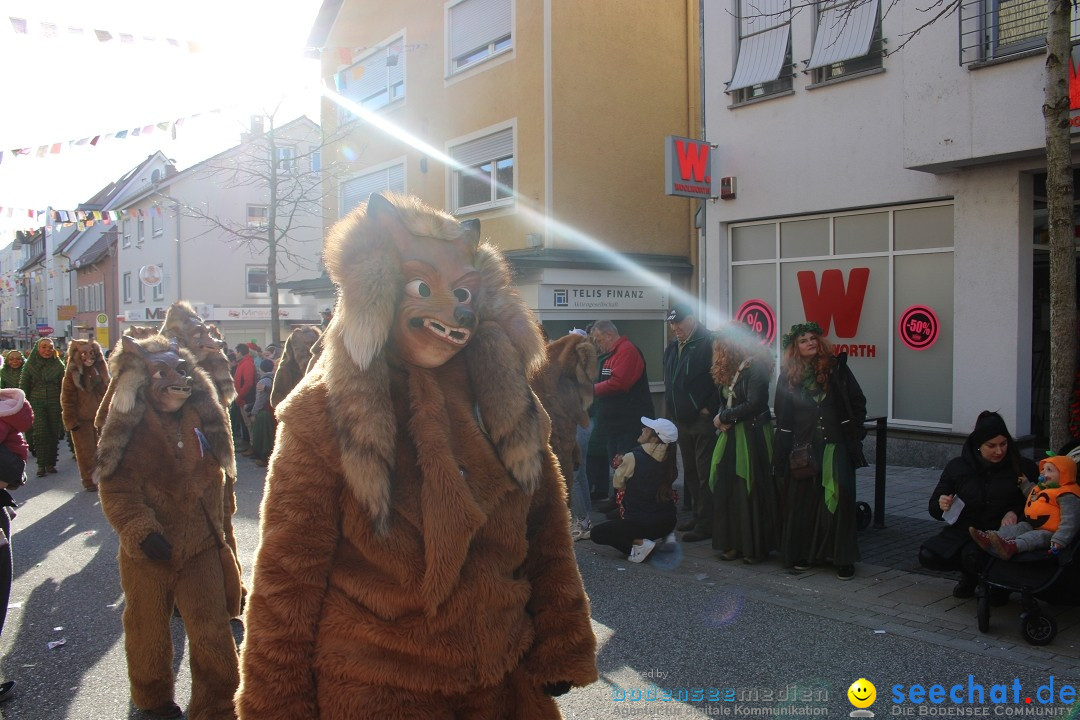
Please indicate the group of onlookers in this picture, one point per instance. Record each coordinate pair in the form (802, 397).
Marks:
(755, 484)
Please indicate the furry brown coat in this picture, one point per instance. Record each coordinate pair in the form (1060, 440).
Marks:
(565, 387)
(415, 557)
(80, 396)
(294, 361)
(157, 476)
(204, 342)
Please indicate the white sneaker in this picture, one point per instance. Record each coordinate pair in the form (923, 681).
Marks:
(582, 531)
(638, 553)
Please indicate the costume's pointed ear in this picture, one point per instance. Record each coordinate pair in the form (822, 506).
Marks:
(470, 238)
(131, 346)
(174, 346)
(384, 215)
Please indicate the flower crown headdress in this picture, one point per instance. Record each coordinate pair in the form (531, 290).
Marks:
(800, 329)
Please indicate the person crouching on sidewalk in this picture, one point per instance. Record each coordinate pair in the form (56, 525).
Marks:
(643, 479)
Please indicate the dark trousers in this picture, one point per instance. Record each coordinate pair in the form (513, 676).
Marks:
(621, 534)
(969, 559)
(5, 566)
(239, 427)
(697, 449)
(617, 442)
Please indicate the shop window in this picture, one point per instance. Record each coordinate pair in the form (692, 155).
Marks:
(922, 228)
(804, 238)
(922, 379)
(753, 242)
(856, 234)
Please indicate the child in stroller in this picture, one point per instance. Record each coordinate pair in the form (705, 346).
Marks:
(1039, 550)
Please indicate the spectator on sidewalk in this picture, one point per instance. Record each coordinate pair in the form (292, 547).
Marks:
(985, 478)
(692, 401)
(643, 477)
(262, 415)
(622, 394)
(244, 380)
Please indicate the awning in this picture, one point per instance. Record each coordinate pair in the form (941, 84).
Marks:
(764, 30)
(845, 29)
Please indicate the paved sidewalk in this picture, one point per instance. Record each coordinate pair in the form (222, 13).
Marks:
(891, 592)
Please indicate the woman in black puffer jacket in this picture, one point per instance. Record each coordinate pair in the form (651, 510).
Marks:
(985, 478)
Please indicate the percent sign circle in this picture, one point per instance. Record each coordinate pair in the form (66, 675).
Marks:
(919, 327)
(759, 317)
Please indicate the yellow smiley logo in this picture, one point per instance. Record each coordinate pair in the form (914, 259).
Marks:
(862, 693)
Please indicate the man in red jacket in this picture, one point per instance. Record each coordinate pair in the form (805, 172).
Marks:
(244, 380)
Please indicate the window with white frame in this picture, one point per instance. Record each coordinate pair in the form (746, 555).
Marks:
(257, 283)
(141, 235)
(377, 79)
(477, 30)
(258, 216)
(764, 64)
(157, 221)
(848, 39)
(127, 233)
(486, 176)
(142, 290)
(358, 189)
(158, 291)
(127, 287)
(316, 161)
(286, 158)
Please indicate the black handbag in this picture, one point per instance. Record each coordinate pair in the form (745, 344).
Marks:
(801, 463)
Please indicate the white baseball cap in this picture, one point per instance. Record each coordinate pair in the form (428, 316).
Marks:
(665, 429)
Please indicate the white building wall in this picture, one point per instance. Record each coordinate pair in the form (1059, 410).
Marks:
(924, 129)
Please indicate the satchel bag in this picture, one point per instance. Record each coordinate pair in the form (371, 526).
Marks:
(801, 462)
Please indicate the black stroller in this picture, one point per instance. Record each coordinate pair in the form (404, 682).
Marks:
(1036, 576)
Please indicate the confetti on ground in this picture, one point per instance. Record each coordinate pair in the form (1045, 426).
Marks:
(879, 632)
(700, 576)
(58, 628)
(56, 643)
(14, 605)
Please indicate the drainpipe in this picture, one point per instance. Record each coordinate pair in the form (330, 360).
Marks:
(179, 294)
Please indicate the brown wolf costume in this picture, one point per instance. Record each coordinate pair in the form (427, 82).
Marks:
(86, 378)
(415, 557)
(184, 324)
(294, 361)
(162, 460)
(565, 387)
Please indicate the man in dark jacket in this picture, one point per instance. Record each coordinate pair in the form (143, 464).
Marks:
(692, 400)
(621, 394)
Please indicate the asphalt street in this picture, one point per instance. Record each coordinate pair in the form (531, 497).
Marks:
(731, 642)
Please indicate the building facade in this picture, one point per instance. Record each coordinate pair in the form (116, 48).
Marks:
(898, 200)
(545, 120)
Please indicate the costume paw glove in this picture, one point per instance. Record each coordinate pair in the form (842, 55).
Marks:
(156, 547)
(556, 689)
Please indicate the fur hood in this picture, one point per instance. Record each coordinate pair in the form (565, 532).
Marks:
(78, 371)
(128, 405)
(11, 401)
(506, 348)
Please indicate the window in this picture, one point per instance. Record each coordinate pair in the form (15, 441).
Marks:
(257, 283)
(142, 231)
(357, 190)
(848, 39)
(377, 79)
(258, 216)
(158, 292)
(487, 179)
(286, 158)
(142, 290)
(127, 233)
(764, 65)
(478, 30)
(82, 304)
(991, 29)
(127, 287)
(156, 221)
(316, 161)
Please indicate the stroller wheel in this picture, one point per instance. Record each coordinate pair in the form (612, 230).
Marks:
(1037, 629)
(982, 612)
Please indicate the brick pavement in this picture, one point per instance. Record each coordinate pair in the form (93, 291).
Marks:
(891, 593)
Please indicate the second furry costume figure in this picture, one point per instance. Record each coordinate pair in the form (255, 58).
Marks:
(86, 377)
(415, 558)
(164, 453)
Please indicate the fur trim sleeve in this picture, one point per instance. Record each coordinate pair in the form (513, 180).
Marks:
(298, 538)
(124, 505)
(564, 649)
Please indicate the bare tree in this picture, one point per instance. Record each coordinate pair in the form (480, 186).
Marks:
(286, 160)
(1059, 205)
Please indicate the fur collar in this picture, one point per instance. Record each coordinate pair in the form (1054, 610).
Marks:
(504, 352)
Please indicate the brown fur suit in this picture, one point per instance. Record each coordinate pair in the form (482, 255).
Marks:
(565, 387)
(415, 561)
(155, 476)
(86, 376)
(294, 361)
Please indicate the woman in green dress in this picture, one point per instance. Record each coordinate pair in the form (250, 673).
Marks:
(42, 378)
(820, 411)
(11, 373)
(747, 508)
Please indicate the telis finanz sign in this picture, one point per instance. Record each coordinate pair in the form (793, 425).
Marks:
(687, 167)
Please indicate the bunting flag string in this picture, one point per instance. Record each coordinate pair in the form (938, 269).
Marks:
(83, 219)
(53, 30)
(43, 151)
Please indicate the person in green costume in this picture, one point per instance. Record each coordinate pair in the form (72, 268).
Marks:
(747, 506)
(42, 378)
(820, 411)
(11, 373)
